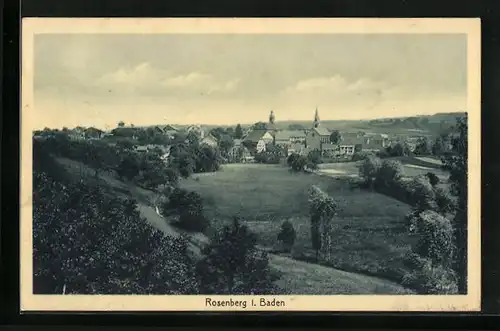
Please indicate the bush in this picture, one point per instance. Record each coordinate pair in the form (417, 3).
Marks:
(430, 278)
(433, 178)
(444, 201)
(267, 158)
(389, 174)
(287, 235)
(189, 207)
(89, 242)
(233, 265)
(422, 194)
(435, 237)
(297, 162)
(322, 209)
(369, 170)
(360, 156)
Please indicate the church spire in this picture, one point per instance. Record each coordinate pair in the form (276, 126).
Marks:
(271, 117)
(316, 118)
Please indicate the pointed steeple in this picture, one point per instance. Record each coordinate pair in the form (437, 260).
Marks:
(271, 117)
(316, 118)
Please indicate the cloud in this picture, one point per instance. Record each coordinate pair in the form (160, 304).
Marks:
(336, 84)
(200, 82)
(148, 78)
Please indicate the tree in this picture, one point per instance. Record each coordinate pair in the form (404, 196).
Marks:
(438, 148)
(233, 265)
(128, 167)
(189, 207)
(368, 170)
(434, 235)
(287, 235)
(444, 201)
(335, 137)
(313, 159)
(89, 242)
(94, 158)
(207, 158)
(456, 164)
(238, 132)
(299, 163)
(396, 150)
(423, 147)
(121, 124)
(218, 132)
(390, 173)
(322, 209)
(291, 159)
(423, 196)
(124, 145)
(225, 143)
(407, 151)
(433, 178)
(433, 254)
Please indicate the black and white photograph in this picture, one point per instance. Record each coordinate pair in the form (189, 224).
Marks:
(250, 164)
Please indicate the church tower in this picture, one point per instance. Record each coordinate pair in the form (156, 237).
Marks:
(271, 117)
(316, 119)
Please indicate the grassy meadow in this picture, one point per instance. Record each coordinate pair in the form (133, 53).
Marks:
(370, 231)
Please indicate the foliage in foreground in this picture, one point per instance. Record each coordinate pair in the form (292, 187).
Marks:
(322, 209)
(88, 242)
(188, 206)
(233, 264)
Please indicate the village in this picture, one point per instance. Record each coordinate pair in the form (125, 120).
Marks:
(260, 138)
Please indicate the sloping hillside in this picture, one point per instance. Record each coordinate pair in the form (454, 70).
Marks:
(296, 276)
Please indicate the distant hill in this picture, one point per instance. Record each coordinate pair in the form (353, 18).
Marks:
(423, 124)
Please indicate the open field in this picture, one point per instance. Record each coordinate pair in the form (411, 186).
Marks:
(298, 277)
(371, 234)
(412, 167)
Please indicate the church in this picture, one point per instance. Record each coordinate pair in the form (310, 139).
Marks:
(311, 138)
(317, 135)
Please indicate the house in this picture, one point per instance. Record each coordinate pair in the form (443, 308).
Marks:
(261, 146)
(252, 139)
(297, 148)
(164, 150)
(196, 129)
(239, 152)
(376, 143)
(93, 133)
(130, 132)
(236, 151)
(209, 140)
(330, 150)
(316, 137)
(287, 137)
(168, 130)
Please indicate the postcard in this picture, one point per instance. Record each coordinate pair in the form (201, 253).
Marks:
(250, 164)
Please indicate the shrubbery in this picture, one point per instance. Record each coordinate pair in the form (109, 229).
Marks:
(297, 162)
(287, 235)
(322, 209)
(189, 208)
(233, 265)
(89, 242)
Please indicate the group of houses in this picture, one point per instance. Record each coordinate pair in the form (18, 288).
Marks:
(257, 140)
(316, 138)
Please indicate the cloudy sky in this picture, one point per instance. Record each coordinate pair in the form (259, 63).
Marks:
(84, 79)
